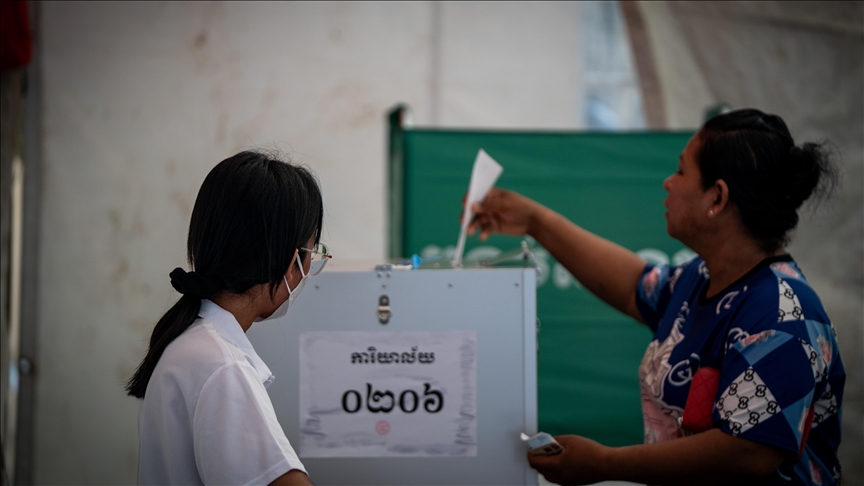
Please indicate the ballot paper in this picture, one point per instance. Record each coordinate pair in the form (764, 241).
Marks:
(483, 176)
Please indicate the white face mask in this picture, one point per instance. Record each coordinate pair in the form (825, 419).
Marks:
(292, 294)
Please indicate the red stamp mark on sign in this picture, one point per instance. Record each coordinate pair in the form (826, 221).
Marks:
(382, 427)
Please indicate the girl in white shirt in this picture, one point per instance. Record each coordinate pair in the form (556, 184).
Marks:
(205, 416)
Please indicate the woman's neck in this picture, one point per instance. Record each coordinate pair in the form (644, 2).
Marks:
(731, 259)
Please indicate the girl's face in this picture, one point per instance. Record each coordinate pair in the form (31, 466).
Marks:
(292, 277)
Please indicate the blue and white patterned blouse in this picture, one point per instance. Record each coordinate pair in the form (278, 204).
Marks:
(781, 378)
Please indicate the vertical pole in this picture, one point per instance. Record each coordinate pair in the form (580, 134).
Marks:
(646, 64)
(29, 258)
(10, 89)
(396, 181)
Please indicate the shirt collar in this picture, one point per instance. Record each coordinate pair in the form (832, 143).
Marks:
(226, 324)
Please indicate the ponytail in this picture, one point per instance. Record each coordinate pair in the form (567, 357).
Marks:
(179, 317)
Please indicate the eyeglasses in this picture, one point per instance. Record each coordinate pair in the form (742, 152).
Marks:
(319, 259)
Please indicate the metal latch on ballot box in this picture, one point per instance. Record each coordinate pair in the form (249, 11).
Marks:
(384, 309)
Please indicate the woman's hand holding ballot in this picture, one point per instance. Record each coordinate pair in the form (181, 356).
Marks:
(504, 212)
(605, 268)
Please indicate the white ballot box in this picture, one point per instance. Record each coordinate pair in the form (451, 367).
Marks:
(408, 377)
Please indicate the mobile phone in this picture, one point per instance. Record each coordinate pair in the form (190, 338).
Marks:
(542, 444)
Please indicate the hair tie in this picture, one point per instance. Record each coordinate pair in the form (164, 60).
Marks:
(193, 284)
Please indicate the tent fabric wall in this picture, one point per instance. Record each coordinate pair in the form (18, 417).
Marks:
(805, 62)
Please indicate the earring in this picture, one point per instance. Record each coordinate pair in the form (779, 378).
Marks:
(711, 213)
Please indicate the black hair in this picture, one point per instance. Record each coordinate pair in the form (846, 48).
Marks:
(252, 211)
(768, 176)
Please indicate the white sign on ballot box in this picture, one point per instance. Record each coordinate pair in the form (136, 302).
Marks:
(388, 394)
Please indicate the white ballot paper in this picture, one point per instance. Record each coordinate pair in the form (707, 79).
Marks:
(388, 394)
(483, 176)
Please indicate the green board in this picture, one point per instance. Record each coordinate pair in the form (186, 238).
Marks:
(608, 183)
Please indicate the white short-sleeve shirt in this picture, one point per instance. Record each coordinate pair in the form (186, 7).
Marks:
(206, 417)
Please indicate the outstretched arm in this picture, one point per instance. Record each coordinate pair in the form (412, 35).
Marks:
(608, 270)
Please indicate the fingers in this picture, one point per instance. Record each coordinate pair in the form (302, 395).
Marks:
(539, 461)
(486, 214)
(478, 220)
(488, 225)
(546, 466)
(476, 223)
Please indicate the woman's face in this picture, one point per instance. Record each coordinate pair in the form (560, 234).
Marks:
(687, 203)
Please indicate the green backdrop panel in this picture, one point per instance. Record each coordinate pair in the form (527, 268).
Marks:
(608, 183)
